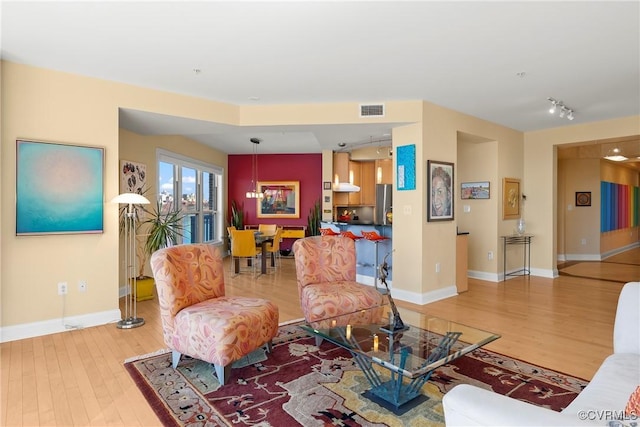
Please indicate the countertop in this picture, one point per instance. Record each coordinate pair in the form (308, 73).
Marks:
(356, 222)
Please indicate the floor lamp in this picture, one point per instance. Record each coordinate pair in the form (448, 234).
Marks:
(131, 319)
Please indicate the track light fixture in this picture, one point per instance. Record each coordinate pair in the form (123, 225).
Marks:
(564, 110)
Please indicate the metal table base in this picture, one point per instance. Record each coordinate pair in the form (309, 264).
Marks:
(517, 239)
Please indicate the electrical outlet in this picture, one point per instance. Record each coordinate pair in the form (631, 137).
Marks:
(62, 288)
(82, 286)
(490, 255)
(583, 241)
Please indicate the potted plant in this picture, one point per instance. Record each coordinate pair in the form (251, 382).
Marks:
(163, 227)
(236, 217)
(313, 220)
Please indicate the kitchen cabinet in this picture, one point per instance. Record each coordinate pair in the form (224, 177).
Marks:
(368, 181)
(361, 174)
(340, 174)
(341, 167)
(384, 171)
(355, 178)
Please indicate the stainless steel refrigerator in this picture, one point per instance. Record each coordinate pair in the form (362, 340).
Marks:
(384, 196)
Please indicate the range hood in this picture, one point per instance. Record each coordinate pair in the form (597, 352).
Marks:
(345, 187)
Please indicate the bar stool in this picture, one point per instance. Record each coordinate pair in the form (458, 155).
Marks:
(350, 235)
(374, 237)
(328, 232)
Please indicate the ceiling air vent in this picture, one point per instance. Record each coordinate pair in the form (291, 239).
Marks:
(372, 110)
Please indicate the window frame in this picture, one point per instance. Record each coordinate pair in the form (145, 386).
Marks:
(178, 161)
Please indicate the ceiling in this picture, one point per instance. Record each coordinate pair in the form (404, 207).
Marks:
(498, 61)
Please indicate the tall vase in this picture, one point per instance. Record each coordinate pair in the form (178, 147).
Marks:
(521, 226)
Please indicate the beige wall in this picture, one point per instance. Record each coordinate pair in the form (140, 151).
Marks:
(540, 168)
(53, 106)
(143, 149)
(481, 221)
(436, 138)
(58, 107)
(579, 236)
(47, 105)
(578, 227)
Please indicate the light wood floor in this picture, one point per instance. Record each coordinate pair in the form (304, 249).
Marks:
(77, 378)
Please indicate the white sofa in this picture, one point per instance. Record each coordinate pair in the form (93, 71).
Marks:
(604, 397)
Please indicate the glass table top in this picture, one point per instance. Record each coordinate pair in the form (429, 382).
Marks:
(426, 342)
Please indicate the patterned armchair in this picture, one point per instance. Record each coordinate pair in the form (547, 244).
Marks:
(198, 319)
(326, 277)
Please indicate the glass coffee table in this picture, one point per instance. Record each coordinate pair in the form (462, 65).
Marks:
(410, 355)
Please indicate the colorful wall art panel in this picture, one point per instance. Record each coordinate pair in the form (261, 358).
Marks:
(59, 188)
(619, 206)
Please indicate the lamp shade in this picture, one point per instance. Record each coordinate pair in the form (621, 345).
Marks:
(131, 199)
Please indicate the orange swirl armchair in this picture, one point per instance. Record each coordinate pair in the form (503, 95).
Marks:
(326, 277)
(198, 319)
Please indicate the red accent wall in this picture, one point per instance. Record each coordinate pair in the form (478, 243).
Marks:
(306, 168)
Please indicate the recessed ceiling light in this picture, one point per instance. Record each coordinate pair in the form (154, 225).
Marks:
(254, 98)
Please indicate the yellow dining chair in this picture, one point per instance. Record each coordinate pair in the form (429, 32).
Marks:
(273, 248)
(243, 246)
(267, 229)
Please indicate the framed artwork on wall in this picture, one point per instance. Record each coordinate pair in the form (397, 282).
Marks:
(281, 199)
(59, 188)
(439, 191)
(583, 198)
(406, 167)
(510, 198)
(475, 190)
(133, 177)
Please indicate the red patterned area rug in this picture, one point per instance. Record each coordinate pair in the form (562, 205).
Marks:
(301, 384)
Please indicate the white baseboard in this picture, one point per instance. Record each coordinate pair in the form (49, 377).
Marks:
(582, 257)
(498, 277)
(620, 250)
(484, 275)
(426, 297)
(412, 297)
(54, 326)
(596, 257)
(540, 272)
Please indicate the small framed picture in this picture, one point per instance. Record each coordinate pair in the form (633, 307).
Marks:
(474, 190)
(583, 198)
(510, 198)
(326, 185)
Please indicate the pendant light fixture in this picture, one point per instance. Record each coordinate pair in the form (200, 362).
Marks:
(254, 192)
(615, 154)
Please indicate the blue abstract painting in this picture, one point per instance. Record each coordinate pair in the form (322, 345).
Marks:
(59, 188)
(406, 172)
